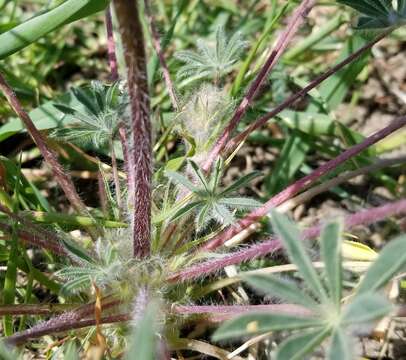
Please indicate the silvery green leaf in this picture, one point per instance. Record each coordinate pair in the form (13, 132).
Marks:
(242, 181)
(340, 346)
(365, 308)
(299, 345)
(199, 174)
(182, 180)
(143, 339)
(223, 214)
(186, 210)
(215, 179)
(391, 260)
(280, 288)
(293, 244)
(331, 254)
(202, 217)
(240, 202)
(256, 323)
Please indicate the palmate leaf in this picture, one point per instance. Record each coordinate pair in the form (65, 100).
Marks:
(182, 180)
(290, 237)
(378, 14)
(223, 214)
(365, 308)
(211, 60)
(340, 346)
(391, 260)
(240, 202)
(143, 338)
(256, 323)
(96, 123)
(299, 345)
(208, 201)
(331, 255)
(186, 210)
(282, 289)
(199, 174)
(241, 182)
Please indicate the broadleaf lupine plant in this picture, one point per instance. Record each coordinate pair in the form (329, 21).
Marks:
(147, 272)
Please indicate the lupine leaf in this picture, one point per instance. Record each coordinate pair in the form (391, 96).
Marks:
(340, 347)
(182, 180)
(251, 324)
(299, 345)
(143, 338)
(365, 308)
(391, 260)
(280, 288)
(240, 202)
(291, 239)
(242, 181)
(331, 255)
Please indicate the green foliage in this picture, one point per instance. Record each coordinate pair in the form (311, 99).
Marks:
(210, 202)
(203, 116)
(377, 14)
(143, 340)
(325, 314)
(104, 269)
(211, 60)
(98, 124)
(29, 31)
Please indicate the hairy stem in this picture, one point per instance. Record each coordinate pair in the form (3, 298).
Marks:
(115, 175)
(111, 47)
(140, 152)
(296, 20)
(35, 309)
(156, 43)
(327, 185)
(301, 184)
(67, 325)
(231, 145)
(362, 218)
(60, 174)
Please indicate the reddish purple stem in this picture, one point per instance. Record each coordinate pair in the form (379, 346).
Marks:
(292, 99)
(60, 174)
(294, 23)
(140, 151)
(111, 47)
(239, 309)
(158, 49)
(267, 247)
(301, 184)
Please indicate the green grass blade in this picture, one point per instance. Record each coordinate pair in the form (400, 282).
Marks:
(290, 160)
(251, 55)
(33, 29)
(10, 283)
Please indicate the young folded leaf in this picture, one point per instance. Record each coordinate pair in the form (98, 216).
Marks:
(378, 14)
